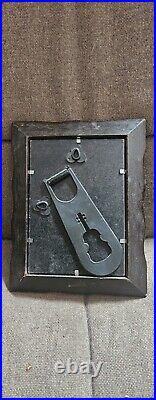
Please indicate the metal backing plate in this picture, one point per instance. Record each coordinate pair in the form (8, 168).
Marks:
(51, 251)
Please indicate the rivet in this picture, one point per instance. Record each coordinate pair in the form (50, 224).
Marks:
(122, 171)
(123, 241)
(30, 240)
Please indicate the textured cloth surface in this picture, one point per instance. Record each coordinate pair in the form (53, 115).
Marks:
(122, 337)
(40, 329)
(74, 61)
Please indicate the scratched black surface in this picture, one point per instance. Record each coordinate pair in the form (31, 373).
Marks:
(51, 251)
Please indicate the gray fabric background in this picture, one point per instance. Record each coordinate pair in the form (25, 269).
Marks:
(40, 329)
(84, 61)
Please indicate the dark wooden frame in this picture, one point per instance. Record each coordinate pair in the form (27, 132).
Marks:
(134, 283)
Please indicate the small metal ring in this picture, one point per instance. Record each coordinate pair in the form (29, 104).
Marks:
(75, 153)
(42, 205)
